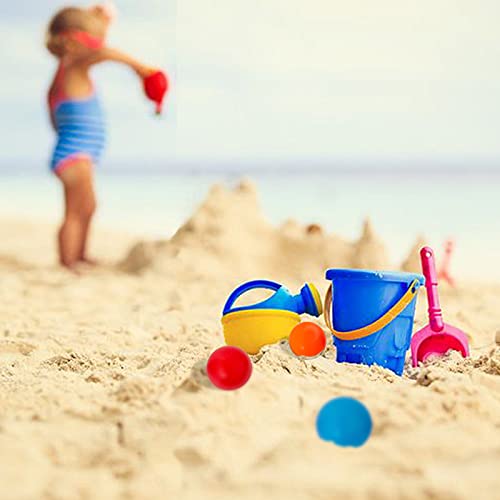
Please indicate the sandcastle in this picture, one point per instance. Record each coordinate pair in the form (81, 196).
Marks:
(234, 239)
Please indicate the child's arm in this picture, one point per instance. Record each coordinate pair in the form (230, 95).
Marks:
(115, 55)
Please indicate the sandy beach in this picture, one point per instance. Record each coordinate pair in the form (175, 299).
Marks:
(103, 393)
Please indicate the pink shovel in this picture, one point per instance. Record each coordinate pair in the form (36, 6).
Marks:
(437, 338)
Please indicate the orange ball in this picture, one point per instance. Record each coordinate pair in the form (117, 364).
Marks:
(307, 339)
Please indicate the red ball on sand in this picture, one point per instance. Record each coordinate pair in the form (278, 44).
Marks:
(307, 339)
(229, 368)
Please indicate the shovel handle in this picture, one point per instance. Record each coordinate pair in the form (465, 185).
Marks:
(431, 284)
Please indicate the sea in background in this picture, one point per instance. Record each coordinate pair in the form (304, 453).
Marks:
(439, 204)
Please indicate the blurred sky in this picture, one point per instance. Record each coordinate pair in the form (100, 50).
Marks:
(286, 81)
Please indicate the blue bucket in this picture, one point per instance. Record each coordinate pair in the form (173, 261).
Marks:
(371, 315)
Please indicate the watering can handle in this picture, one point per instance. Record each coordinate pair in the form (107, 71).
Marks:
(378, 324)
(250, 285)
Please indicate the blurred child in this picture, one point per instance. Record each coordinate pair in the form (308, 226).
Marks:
(77, 38)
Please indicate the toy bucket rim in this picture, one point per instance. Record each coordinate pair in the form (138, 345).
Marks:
(368, 274)
(251, 313)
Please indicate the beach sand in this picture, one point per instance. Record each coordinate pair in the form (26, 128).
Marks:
(103, 393)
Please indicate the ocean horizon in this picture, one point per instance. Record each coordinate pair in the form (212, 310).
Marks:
(411, 168)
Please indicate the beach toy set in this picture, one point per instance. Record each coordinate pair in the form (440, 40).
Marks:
(369, 313)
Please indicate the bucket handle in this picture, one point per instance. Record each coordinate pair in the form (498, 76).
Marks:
(250, 285)
(378, 324)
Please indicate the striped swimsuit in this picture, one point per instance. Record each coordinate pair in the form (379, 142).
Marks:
(80, 127)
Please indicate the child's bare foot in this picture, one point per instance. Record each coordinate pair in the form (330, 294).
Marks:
(73, 269)
(89, 262)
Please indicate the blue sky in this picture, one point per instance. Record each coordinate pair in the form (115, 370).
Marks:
(286, 81)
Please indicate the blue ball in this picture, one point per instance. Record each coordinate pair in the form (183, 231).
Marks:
(345, 422)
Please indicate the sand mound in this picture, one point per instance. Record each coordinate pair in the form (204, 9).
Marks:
(369, 252)
(229, 237)
(104, 395)
(412, 262)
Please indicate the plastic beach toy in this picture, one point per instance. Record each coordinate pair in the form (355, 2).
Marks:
(370, 314)
(307, 301)
(155, 87)
(437, 338)
(267, 322)
(253, 329)
(345, 422)
(307, 339)
(229, 368)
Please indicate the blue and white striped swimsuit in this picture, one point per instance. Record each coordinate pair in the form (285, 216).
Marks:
(81, 131)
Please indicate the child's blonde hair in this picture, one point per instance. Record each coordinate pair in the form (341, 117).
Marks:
(67, 19)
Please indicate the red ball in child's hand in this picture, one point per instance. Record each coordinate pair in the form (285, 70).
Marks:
(307, 339)
(229, 368)
(156, 86)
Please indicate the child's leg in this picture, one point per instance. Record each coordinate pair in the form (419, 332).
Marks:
(80, 207)
(82, 256)
(88, 213)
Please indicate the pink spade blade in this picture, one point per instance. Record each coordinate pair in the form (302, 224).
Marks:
(437, 338)
(427, 343)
